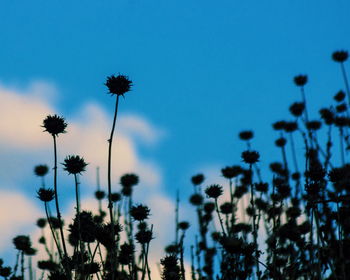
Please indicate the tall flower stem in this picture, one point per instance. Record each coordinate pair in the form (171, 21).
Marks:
(52, 232)
(56, 196)
(81, 245)
(110, 203)
(345, 80)
(255, 231)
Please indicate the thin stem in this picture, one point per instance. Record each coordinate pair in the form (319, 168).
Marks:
(56, 196)
(345, 80)
(110, 204)
(81, 245)
(220, 219)
(255, 233)
(52, 231)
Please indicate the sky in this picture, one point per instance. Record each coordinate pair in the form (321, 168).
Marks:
(202, 72)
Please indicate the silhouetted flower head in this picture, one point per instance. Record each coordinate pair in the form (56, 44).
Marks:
(22, 242)
(58, 275)
(144, 236)
(197, 179)
(214, 191)
(126, 253)
(340, 56)
(74, 164)
(171, 269)
(41, 223)
(184, 225)
(230, 172)
(278, 125)
(262, 187)
(54, 125)
(300, 80)
(341, 108)
(281, 142)
(246, 135)
(250, 157)
(129, 180)
(327, 115)
(290, 126)
(118, 85)
(297, 109)
(100, 195)
(55, 223)
(115, 197)
(196, 199)
(46, 195)
(83, 227)
(341, 121)
(209, 207)
(139, 212)
(226, 208)
(232, 245)
(48, 265)
(339, 96)
(313, 125)
(41, 170)
(5, 271)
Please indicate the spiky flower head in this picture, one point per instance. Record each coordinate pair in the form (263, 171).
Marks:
(74, 164)
(54, 125)
(22, 242)
(340, 56)
(214, 191)
(171, 269)
(300, 80)
(197, 179)
(250, 157)
(115, 197)
(41, 222)
(118, 85)
(46, 195)
(196, 199)
(144, 236)
(139, 212)
(246, 135)
(297, 109)
(100, 195)
(129, 180)
(41, 170)
(184, 225)
(230, 172)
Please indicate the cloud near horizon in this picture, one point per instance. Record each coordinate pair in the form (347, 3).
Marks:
(88, 129)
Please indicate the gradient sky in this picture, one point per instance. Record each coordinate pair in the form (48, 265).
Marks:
(202, 70)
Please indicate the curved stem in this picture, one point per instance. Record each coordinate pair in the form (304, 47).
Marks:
(220, 219)
(110, 203)
(56, 197)
(52, 231)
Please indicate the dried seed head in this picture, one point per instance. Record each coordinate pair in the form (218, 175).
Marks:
(340, 56)
(118, 85)
(250, 157)
(46, 195)
(214, 191)
(41, 170)
(74, 164)
(197, 179)
(300, 80)
(54, 125)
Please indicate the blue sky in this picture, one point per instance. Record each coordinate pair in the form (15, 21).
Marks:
(202, 70)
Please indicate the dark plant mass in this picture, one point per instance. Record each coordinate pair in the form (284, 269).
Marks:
(285, 219)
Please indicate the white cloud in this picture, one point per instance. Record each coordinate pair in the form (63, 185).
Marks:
(18, 216)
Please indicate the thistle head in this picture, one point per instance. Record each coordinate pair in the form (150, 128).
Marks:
(118, 85)
(74, 164)
(54, 125)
